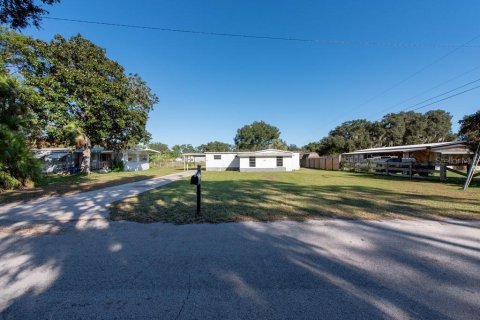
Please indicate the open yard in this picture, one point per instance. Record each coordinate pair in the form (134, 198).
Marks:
(306, 194)
(70, 184)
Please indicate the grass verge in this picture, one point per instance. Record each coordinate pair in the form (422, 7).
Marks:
(306, 194)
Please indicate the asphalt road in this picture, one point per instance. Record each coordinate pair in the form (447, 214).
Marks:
(329, 269)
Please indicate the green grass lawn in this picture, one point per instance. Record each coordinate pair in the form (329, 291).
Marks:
(70, 184)
(236, 196)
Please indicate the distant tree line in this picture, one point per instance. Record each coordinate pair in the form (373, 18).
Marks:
(394, 129)
(255, 136)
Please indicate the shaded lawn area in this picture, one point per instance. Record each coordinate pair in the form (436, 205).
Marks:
(305, 194)
(59, 185)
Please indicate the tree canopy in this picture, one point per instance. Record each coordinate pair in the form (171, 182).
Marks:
(470, 127)
(178, 149)
(158, 146)
(394, 129)
(215, 146)
(77, 83)
(19, 14)
(256, 136)
(17, 164)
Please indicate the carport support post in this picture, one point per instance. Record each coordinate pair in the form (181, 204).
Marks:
(199, 188)
(443, 172)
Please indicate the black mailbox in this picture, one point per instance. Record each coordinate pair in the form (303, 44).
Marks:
(194, 179)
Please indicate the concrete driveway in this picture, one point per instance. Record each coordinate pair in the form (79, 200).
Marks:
(85, 206)
(330, 269)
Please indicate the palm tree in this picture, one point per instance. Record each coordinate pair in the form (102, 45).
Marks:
(75, 135)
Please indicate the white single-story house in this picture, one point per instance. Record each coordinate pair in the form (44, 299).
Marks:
(68, 159)
(263, 160)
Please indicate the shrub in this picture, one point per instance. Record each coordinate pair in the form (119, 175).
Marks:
(7, 182)
(117, 165)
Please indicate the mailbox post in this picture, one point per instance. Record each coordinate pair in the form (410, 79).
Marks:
(196, 179)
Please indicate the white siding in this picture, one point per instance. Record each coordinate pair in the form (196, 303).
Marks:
(228, 161)
(270, 163)
(295, 163)
(136, 163)
(261, 163)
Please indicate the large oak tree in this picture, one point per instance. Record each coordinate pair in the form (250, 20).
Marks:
(79, 86)
(256, 136)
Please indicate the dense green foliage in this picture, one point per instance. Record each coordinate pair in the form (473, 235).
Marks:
(17, 164)
(19, 14)
(178, 149)
(258, 135)
(79, 84)
(470, 127)
(215, 146)
(394, 129)
(158, 146)
(73, 94)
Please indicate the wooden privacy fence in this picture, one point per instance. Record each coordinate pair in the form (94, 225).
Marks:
(322, 163)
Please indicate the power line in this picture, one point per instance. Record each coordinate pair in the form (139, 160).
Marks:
(446, 98)
(266, 37)
(442, 94)
(414, 74)
(430, 89)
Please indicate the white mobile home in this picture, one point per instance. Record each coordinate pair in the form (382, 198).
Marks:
(263, 160)
(67, 159)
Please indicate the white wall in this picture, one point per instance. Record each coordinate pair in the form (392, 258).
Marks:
(295, 163)
(136, 163)
(228, 161)
(270, 164)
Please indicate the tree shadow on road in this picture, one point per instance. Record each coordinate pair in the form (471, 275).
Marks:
(330, 269)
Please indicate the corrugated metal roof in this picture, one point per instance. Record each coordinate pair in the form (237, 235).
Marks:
(409, 148)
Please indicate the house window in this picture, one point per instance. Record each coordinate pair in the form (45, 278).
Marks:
(144, 158)
(130, 157)
(217, 157)
(279, 161)
(251, 162)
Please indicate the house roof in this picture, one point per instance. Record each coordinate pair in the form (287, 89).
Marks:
(193, 154)
(435, 147)
(145, 150)
(309, 155)
(260, 153)
(45, 151)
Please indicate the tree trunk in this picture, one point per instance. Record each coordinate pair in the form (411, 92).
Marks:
(85, 164)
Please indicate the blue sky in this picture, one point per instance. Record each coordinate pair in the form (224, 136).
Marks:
(210, 86)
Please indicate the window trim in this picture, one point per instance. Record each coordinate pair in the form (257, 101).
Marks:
(217, 157)
(281, 161)
(250, 162)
